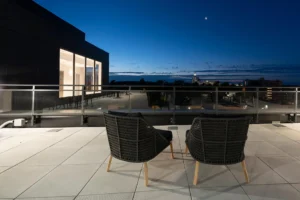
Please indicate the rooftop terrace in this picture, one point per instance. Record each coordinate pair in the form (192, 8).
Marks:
(70, 163)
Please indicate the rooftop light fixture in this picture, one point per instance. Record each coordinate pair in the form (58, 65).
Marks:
(263, 108)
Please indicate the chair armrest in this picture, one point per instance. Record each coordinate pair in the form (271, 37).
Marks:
(187, 136)
(160, 142)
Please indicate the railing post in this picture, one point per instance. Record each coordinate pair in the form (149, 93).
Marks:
(130, 99)
(174, 107)
(296, 104)
(217, 101)
(257, 110)
(82, 104)
(32, 105)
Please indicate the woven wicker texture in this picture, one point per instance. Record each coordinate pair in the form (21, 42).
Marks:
(132, 139)
(218, 141)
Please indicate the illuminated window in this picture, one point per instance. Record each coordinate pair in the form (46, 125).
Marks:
(79, 73)
(98, 76)
(65, 73)
(89, 77)
(86, 72)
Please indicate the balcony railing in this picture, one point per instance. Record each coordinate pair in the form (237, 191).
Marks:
(43, 100)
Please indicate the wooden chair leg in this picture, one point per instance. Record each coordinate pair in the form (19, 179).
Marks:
(196, 173)
(146, 174)
(171, 147)
(186, 150)
(245, 171)
(109, 163)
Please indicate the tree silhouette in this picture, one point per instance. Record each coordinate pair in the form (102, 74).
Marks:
(217, 83)
(142, 81)
(112, 82)
(160, 82)
(225, 84)
(178, 82)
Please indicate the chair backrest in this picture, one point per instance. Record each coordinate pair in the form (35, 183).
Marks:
(137, 114)
(218, 140)
(130, 138)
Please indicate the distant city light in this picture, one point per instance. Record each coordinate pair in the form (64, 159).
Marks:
(195, 74)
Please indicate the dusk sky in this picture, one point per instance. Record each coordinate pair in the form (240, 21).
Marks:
(173, 36)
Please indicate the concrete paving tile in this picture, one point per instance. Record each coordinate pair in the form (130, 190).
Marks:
(16, 180)
(164, 174)
(66, 180)
(263, 148)
(274, 192)
(47, 198)
(286, 167)
(116, 196)
(218, 193)
(258, 172)
(3, 169)
(121, 178)
(210, 175)
(179, 194)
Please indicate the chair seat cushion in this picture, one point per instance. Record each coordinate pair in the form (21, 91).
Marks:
(166, 134)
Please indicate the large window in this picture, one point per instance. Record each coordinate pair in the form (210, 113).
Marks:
(89, 76)
(76, 70)
(98, 76)
(79, 73)
(65, 73)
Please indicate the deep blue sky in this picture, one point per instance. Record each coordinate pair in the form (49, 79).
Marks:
(172, 36)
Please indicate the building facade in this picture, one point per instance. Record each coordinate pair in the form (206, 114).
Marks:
(40, 48)
(37, 47)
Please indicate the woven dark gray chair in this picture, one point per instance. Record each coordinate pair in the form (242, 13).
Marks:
(218, 141)
(132, 139)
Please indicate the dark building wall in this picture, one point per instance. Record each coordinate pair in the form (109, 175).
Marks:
(30, 41)
(27, 17)
(48, 23)
(25, 60)
(26, 55)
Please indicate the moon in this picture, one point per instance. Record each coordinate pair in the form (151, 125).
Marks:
(206, 18)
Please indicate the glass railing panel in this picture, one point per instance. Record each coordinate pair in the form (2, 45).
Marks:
(151, 99)
(146, 98)
(298, 100)
(236, 101)
(15, 101)
(275, 100)
(106, 98)
(56, 101)
(195, 99)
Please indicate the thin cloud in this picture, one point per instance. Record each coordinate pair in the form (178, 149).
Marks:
(232, 70)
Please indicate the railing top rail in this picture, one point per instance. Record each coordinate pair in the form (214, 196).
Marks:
(134, 86)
